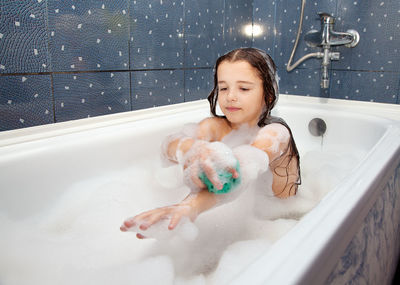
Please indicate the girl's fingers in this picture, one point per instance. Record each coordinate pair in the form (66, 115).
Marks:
(174, 213)
(144, 220)
(174, 221)
(234, 172)
(139, 236)
(194, 175)
(212, 176)
(197, 181)
(157, 215)
(128, 223)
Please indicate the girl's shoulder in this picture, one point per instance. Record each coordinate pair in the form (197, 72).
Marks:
(275, 128)
(213, 129)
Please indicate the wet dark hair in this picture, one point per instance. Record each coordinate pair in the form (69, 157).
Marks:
(266, 70)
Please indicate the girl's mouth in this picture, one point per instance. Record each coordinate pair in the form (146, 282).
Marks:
(232, 109)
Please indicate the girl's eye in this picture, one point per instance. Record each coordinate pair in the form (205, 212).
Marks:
(223, 89)
(244, 89)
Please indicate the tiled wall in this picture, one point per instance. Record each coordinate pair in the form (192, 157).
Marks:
(64, 60)
(368, 72)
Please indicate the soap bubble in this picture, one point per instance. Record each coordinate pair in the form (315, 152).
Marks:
(237, 256)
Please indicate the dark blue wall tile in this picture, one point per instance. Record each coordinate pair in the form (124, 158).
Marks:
(238, 16)
(398, 91)
(301, 82)
(25, 101)
(89, 35)
(264, 13)
(365, 86)
(156, 88)
(83, 95)
(156, 34)
(378, 25)
(204, 32)
(198, 83)
(23, 37)
(214, 28)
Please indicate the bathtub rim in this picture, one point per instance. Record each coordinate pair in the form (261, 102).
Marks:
(380, 110)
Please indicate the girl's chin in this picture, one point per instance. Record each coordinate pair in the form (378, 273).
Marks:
(235, 120)
(239, 121)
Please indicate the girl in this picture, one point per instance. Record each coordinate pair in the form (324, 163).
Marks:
(246, 90)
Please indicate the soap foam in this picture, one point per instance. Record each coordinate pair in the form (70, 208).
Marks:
(77, 240)
(219, 158)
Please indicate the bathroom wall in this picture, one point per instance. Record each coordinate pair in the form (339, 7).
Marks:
(368, 72)
(64, 60)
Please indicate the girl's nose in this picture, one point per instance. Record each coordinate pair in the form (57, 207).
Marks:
(232, 95)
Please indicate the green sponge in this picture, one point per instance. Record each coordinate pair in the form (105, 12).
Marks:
(225, 177)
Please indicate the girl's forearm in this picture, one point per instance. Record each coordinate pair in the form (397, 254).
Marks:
(178, 147)
(200, 202)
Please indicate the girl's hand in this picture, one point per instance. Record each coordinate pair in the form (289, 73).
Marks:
(208, 158)
(173, 213)
(189, 208)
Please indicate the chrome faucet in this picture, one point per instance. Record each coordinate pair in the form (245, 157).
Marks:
(326, 38)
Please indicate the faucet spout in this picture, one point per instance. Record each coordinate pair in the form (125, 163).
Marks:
(328, 37)
(350, 38)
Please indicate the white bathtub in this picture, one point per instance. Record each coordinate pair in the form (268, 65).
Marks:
(351, 235)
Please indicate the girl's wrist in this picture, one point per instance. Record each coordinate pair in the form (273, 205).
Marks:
(200, 202)
(182, 148)
(185, 144)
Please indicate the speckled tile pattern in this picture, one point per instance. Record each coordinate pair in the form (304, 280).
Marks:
(83, 95)
(156, 88)
(178, 41)
(157, 30)
(88, 35)
(23, 37)
(25, 101)
(199, 83)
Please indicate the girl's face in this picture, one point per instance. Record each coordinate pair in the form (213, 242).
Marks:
(240, 93)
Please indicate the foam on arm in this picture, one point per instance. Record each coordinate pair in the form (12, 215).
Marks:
(174, 146)
(273, 139)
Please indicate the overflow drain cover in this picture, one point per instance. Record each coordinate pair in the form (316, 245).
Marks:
(317, 127)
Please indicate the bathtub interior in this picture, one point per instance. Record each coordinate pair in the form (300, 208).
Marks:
(64, 160)
(114, 159)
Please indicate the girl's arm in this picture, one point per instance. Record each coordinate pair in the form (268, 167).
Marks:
(274, 140)
(192, 206)
(194, 154)
(210, 129)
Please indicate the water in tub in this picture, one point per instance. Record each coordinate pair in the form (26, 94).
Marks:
(78, 241)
